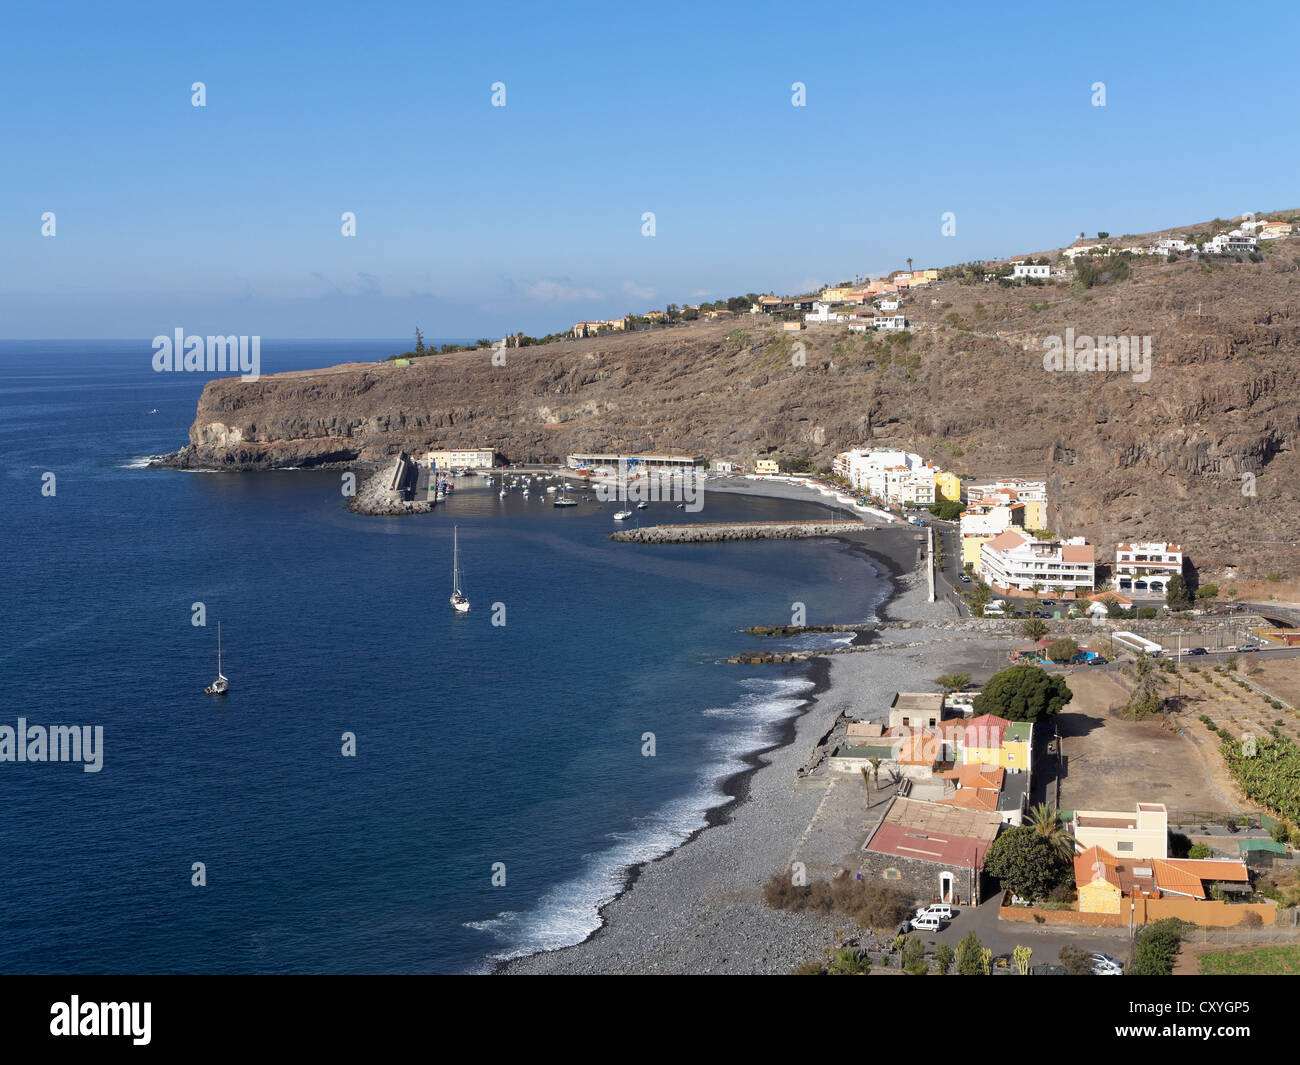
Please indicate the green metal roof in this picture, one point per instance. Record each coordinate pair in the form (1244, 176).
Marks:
(1261, 845)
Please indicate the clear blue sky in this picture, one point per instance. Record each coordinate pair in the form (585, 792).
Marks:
(473, 220)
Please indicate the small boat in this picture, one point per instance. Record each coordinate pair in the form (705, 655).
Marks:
(550, 488)
(221, 685)
(681, 506)
(459, 601)
(622, 515)
(642, 505)
(564, 501)
(154, 411)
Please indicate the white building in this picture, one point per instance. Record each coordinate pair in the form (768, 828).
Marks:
(890, 321)
(1230, 243)
(1085, 249)
(1146, 566)
(467, 458)
(1015, 562)
(888, 304)
(822, 312)
(1171, 244)
(719, 466)
(910, 487)
(1030, 270)
(895, 476)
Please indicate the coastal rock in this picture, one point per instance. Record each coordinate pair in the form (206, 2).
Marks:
(1203, 453)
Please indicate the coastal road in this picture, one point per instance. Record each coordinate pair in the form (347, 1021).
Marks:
(1046, 941)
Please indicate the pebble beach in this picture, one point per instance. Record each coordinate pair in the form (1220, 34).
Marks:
(699, 909)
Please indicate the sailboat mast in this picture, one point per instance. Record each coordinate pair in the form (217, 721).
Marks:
(218, 648)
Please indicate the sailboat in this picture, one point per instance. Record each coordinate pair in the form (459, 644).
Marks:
(458, 600)
(221, 685)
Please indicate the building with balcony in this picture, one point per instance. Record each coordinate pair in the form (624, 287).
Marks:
(1014, 563)
(1145, 567)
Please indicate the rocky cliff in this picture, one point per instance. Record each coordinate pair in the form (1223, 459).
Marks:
(1203, 452)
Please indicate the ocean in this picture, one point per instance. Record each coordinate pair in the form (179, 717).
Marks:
(502, 783)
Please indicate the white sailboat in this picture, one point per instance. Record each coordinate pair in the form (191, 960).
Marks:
(221, 685)
(458, 600)
(622, 515)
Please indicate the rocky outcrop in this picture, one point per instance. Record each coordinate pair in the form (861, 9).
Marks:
(1202, 453)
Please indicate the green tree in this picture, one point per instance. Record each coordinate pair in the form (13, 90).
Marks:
(1177, 597)
(849, 962)
(1155, 948)
(419, 341)
(1023, 693)
(1282, 832)
(952, 682)
(1076, 960)
(1062, 650)
(1198, 850)
(1021, 956)
(1027, 863)
(913, 961)
(1207, 591)
(1145, 699)
(1046, 821)
(1033, 628)
(968, 958)
(943, 956)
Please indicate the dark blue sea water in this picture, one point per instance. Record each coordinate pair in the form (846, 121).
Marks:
(476, 744)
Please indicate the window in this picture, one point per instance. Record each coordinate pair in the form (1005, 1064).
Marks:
(891, 874)
(1124, 848)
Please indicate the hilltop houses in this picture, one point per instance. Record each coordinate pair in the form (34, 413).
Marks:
(1031, 270)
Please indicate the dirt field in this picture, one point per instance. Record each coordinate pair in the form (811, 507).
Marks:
(1281, 676)
(1114, 763)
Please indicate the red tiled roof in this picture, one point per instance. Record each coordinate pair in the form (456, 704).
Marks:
(1077, 553)
(1005, 541)
(1187, 876)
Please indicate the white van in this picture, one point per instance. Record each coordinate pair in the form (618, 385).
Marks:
(927, 922)
(940, 909)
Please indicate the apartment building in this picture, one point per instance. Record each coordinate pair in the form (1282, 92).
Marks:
(1033, 494)
(1146, 566)
(1015, 563)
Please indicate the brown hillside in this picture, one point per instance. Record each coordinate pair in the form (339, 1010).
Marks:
(1162, 459)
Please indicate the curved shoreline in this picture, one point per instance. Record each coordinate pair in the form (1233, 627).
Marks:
(737, 786)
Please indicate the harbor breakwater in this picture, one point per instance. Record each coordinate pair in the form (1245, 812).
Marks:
(704, 533)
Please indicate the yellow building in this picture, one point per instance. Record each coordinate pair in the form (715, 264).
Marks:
(970, 549)
(947, 486)
(842, 294)
(1098, 878)
(1144, 834)
(992, 740)
(767, 466)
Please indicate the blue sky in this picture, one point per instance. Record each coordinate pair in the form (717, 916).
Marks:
(474, 220)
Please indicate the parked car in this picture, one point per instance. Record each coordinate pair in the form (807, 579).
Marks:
(965, 579)
(1247, 648)
(1100, 957)
(1198, 651)
(940, 909)
(928, 922)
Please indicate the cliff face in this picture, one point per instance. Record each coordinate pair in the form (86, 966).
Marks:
(1175, 457)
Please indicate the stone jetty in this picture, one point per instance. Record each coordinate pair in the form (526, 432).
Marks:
(705, 532)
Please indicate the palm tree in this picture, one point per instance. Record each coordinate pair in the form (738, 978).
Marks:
(875, 771)
(1046, 821)
(909, 265)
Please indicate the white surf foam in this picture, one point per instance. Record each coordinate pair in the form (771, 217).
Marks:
(569, 912)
